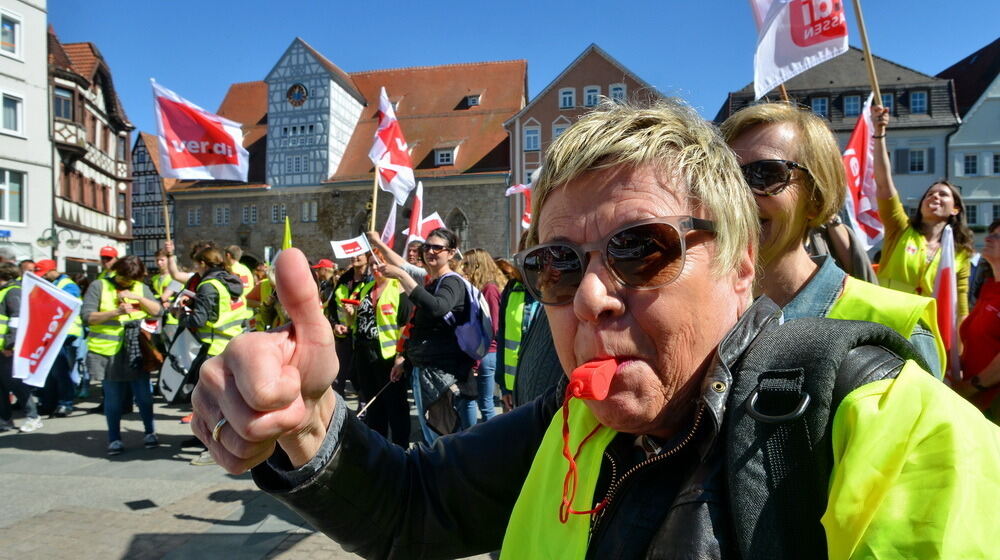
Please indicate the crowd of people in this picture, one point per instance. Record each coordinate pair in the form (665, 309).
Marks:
(767, 390)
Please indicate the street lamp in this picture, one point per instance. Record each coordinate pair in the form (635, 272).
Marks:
(51, 238)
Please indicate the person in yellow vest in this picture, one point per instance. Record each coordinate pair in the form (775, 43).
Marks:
(160, 282)
(339, 312)
(232, 256)
(911, 246)
(794, 169)
(375, 331)
(108, 256)
(10, 309)
(218, 312)
(59, 391)
(113, 307)
(643, 251)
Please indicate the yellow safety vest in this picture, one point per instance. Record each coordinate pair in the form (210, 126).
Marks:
(914, 469)
(907, 268)
(245, 276)
(228, 325)
(386, 313)
(513, 321)
(160, 283)
(265, 293)
(76, 329)
(339, 293)
(106, 338)
(5, 319)
(863, 301)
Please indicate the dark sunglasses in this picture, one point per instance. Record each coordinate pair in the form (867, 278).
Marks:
(644, 255)
(433, 248)
(768, 177)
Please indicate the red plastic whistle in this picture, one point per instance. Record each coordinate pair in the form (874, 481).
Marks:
(592, 380)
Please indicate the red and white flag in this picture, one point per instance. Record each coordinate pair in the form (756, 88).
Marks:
(351, 247)
(416, 215)
(859, 164)
(427, 225)
(46, 315)
(526, 191)
(196, 144)
(390, 153)
(793, 36)
(946, 294)
(389, 231)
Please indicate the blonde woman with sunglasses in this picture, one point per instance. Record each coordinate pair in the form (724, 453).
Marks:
(792, 165)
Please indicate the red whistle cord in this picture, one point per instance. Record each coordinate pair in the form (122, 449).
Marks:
(569, 483)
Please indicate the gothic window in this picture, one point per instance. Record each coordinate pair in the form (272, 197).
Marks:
(458, 223)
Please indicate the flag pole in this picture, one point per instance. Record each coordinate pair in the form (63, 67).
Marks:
(166, 213)
(868, 54)
(374, 200)
(784, 92)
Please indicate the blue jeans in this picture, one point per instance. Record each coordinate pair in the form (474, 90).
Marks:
(484, 383)
(429, 434)
(113, 396)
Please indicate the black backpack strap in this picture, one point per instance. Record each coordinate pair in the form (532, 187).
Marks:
(786, 390)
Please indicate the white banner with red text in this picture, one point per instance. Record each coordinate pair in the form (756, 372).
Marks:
(47, 313)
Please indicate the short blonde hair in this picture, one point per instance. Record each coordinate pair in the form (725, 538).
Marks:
(816, 150)
(671, 136)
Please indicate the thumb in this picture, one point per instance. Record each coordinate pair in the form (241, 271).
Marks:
(300, 298)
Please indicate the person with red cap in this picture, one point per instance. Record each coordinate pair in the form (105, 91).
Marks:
(324, 270)
(56, 398)
(109, 256)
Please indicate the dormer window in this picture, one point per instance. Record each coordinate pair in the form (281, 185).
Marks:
(444, 156)
(472, 100)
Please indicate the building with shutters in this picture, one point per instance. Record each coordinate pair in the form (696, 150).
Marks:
(148, 197)
(924, 113)
(309, 126)
(25, 147)
(589, 78)
(974, 149)
(92, 175)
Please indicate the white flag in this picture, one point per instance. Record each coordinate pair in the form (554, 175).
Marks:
(351, 247)
(389, 231)
(859, 164)
(427, 225)
(794, 36)
(196, 144)
(416, 215)
(47, 313)
(390, 153)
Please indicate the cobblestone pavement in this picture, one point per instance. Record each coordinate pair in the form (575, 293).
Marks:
(63, 497)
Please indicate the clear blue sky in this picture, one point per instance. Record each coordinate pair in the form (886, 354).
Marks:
(698, 50)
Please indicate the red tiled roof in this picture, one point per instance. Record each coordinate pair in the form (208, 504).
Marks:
(245, 103)
(84, 56)
(432, 113)
(84, 59)
(973, 74)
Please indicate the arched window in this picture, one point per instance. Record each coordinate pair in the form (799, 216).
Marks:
(459, 223)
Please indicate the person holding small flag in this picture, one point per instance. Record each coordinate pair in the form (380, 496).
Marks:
(113, 307)
(59, 391)
(342, 309)
(794, 169)
(911, 248)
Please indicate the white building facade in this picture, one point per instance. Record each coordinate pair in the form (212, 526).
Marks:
(25, 148)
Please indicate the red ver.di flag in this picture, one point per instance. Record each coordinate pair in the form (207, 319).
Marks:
(196, 144)
(47, 313)
(793, 36)
(859, 164)
(350, 247)
(946, 294)
(427, 225)
(391, 154)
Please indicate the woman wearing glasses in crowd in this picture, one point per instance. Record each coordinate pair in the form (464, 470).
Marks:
(910, 248)
(652, 236)
(980, 334)
(432, 348)
(794, 169)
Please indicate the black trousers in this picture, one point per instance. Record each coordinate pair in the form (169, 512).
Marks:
(389, 415)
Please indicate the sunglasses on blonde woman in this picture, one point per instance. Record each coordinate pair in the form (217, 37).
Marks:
(643, 255)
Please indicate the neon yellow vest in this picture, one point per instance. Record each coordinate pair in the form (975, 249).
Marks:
(339, 293)
(4, 319)
(245, 276)
(228, 325)
(386, 313)
(76, 329)
(534, 530)
(513, 321)
(106, 338)
(862, 301)
(907, 268)
(160, 283)
(914, 476)
(265, 293)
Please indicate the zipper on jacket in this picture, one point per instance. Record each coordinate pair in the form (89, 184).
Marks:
(616, 484)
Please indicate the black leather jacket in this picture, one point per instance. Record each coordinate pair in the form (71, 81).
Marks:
(454, 499)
